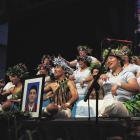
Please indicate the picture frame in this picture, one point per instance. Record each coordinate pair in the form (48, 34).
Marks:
(32, 97)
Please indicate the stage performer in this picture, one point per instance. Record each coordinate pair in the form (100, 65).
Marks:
(15, 74)
(64, 94)
(119, 86)
(83, 51)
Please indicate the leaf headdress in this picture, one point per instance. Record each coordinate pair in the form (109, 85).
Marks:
(19, 70)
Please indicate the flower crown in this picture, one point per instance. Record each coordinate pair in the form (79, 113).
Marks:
(127, 51)
(59, 61)
(19, 70)
(95, 66)
(84, 58)
(84, 48)
(114, 52)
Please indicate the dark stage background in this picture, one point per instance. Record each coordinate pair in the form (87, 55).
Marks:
(37, 27)
(58, 26)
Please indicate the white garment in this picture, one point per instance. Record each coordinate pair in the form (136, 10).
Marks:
(79, 76)
(106, 107)
(133, 68)
(82, 110)
(138, 80)
(1, 108)
(80, 106)
(47, 80)
(30, 107)
(124, 76)
(8, 86)
(112, 107)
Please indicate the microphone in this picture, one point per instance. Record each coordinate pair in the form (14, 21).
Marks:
(118, 40)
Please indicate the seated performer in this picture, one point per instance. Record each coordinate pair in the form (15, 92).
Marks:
(128, 66)
(79, 76)
(119, 86)
(64, 94)
(83, 51)
(82, 77)
(135, 60)
(44, 70)
(2, 84)
(31, 104)
(15, 74)
(95, 71)
(46, 62)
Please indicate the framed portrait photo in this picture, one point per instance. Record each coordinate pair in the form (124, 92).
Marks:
(32, 96)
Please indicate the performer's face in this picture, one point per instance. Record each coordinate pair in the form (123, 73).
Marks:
(2, 84)
(112, 62)
(58, 71)
(82, 64)
(46, 61)
(43, 71)
(82, 53)
(14, 79)
(32, 95)
(95, 71)
(138, 61)
(125, 58)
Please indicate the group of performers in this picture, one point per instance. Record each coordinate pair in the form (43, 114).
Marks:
(67, 83)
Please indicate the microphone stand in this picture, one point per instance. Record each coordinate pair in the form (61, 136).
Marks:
(96, 86)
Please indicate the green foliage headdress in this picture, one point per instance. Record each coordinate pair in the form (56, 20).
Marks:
(84, 48)
(114, 52)
(19, 70)
(85, 59)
